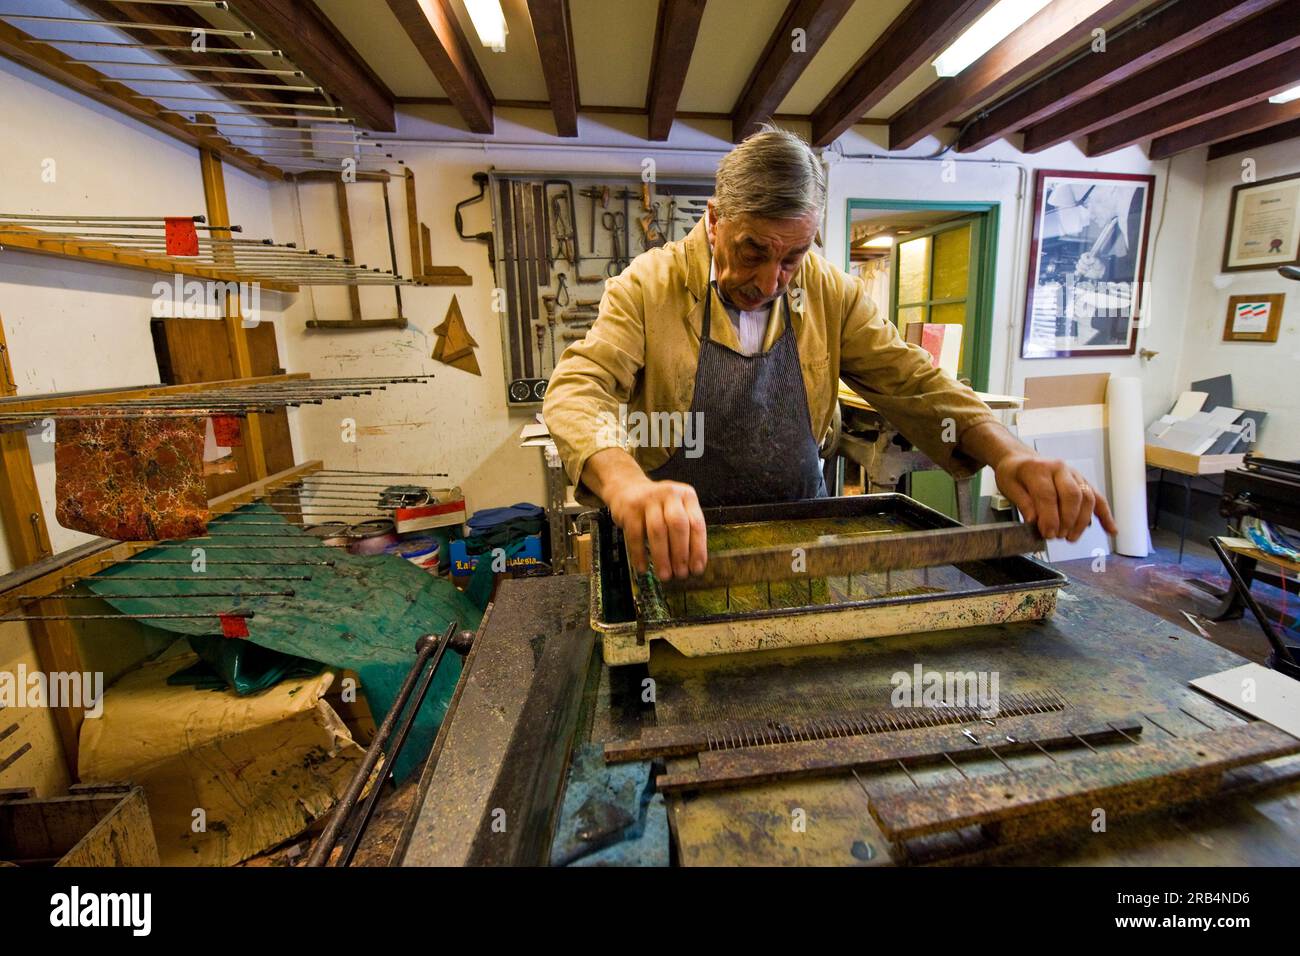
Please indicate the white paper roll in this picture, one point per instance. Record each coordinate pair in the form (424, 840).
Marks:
(1128, 473)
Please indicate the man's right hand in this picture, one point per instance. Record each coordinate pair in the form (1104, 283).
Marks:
(664, 514)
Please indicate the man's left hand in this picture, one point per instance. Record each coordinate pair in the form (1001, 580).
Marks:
(1052, 495)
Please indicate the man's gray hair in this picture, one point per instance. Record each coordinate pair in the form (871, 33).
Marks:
(772, 174)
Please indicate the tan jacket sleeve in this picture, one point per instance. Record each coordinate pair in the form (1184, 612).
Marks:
(595, 375)
(931, 408)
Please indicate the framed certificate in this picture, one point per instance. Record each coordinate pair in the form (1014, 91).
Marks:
(1253, 318)
(1263, 225)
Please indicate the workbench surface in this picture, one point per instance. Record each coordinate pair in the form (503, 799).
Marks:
(535, 693)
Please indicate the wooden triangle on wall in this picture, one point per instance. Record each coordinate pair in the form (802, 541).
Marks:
(455, 346)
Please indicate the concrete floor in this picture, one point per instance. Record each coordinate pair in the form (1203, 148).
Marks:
(1159, 584)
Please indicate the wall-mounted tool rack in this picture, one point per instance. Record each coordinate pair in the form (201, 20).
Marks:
(556, 240)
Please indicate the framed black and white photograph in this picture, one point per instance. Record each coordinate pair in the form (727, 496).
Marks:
(1087, 260)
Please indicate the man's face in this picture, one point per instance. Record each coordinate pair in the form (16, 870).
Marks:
(755, 258)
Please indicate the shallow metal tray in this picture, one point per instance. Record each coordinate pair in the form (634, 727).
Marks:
(975, 593)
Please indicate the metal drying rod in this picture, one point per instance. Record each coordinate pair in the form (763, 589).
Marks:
(211, 69)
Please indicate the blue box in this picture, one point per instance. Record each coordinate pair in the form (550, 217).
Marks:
(528, 561)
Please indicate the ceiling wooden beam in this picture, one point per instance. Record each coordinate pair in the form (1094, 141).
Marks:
(312, 42)
(679, 25)
(1244, 88)
(1241, 47)
(916, 36)
(1052, 31)
(554, 34)
(25, 49)
(1148, 40)
(433, 28)
(783, 62)
(1234, 126)
(1256, 140)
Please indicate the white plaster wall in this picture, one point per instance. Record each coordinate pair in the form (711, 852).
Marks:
(1265, 376)
(72, 325)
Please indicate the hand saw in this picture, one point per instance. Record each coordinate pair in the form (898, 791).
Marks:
(843, 554)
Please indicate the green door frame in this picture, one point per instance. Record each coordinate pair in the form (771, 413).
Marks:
(981, 325)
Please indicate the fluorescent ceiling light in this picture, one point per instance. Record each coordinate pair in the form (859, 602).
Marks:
(489, 23)
(1286, 96)
(986, 33)
(883, 241)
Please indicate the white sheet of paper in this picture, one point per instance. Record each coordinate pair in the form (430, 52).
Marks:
(1187, 403)
(534, 431)
(1258, 691)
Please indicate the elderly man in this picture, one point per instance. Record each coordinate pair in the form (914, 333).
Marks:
(740, 333)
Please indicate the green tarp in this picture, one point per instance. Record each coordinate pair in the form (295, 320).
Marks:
(361, 613)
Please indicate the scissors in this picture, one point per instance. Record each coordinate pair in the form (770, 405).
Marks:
(615, 222)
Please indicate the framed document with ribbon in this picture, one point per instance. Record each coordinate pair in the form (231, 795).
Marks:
(1263, 225)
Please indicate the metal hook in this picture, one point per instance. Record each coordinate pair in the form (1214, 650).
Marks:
(4, 363)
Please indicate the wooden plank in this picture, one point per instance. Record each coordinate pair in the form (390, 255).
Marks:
(426, 244)
(1249, 119)
(27, 532)
(1125, 780)
(554, 35)
(1265, 136)
(311, 41)
(915, 37)
(1242, 47)
(50, 62)
(1152, 39)
(349, 251)
(1046, 35)
(191, 352)
(750, 766)
(433, 28)
(675, 34)
(492, 789)
(780, 65)
(123, 837)
(264, 354)
(214, 194)
(531, 783)
(420, 251)
(867, 553)
(1201, 106)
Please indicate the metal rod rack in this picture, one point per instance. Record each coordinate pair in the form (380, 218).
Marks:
(237, 259)
(227, 67)
(233, 401)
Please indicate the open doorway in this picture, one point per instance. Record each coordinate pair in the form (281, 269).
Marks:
(930, 269)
